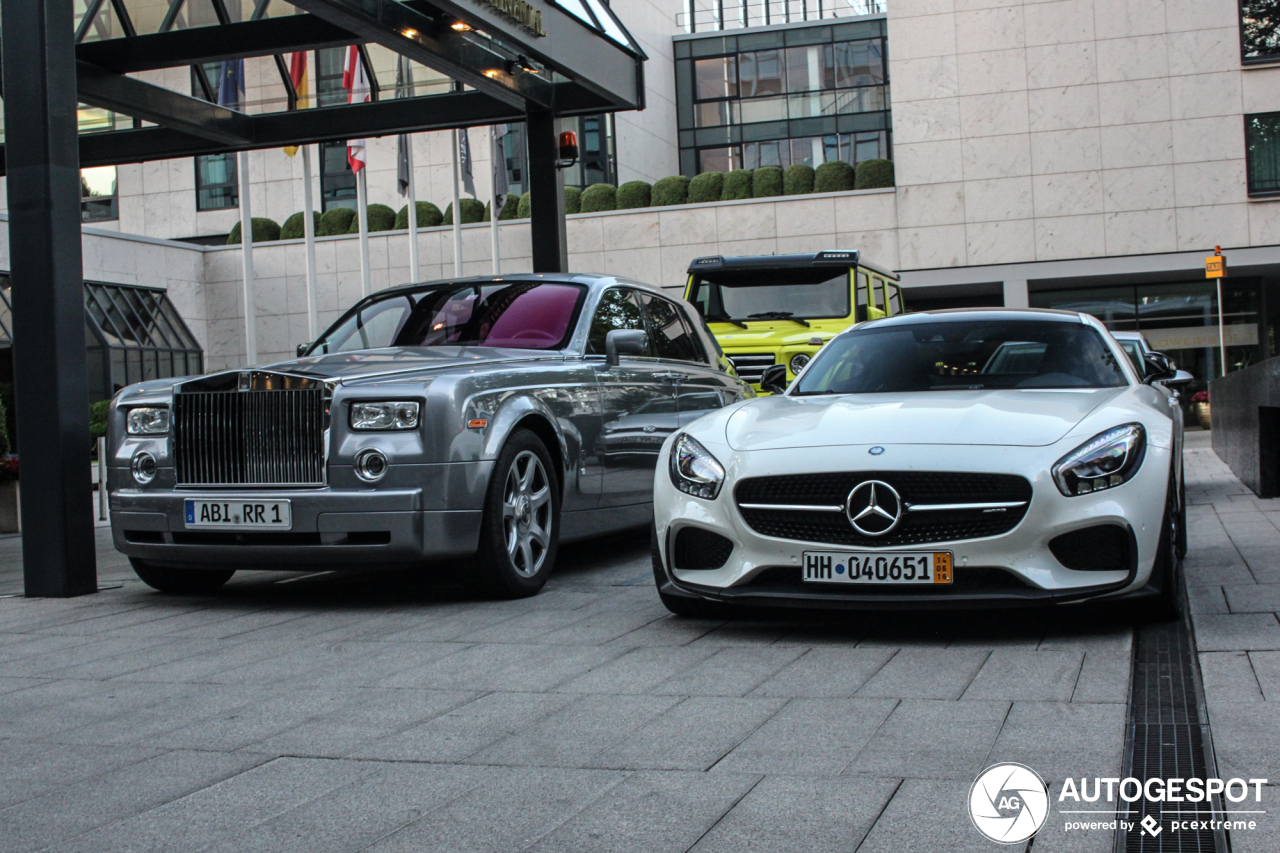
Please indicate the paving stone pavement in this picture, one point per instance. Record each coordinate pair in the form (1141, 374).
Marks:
(388, 712)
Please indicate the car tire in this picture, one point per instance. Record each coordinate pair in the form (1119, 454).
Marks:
(681, 605)
(1167, 605)
(521, 526)
(180, 581)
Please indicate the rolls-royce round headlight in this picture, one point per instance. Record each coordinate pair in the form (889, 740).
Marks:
(798, 361)
(143, 467)
(147, 420)
(371, 464)
(694, 470)
(1108, 459)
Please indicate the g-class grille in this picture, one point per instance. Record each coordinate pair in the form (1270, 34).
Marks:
(779, 506)
(751, 367)
(249, 438)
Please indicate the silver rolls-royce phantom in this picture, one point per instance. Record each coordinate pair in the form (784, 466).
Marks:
(481, 420)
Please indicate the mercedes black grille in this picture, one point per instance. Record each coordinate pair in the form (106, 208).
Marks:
(249, 438)
(919, 488)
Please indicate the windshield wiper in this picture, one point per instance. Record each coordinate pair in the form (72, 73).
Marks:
(720, 318)
(778, 315)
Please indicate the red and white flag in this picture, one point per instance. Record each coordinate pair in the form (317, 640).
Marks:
(356, 82)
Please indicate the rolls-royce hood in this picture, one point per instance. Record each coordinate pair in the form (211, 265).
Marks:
(1027, 418)
(367, 364)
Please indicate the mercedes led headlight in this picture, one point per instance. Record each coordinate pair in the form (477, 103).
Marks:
(798, 361)
(694, 470)
(400, 414)
(1106, 460)
(147, 420)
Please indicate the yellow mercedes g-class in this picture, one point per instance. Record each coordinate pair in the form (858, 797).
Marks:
(781, 309)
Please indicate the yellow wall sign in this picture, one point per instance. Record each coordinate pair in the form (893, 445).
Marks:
(1215, 266)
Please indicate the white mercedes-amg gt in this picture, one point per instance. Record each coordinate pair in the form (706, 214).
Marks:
(971, 458)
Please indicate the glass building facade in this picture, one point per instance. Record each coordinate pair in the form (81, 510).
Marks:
(783, 96)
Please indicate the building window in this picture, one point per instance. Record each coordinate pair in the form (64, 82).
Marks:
(595, 152)
(1262, 153)
(217, 182)
(1259, 30)
(99, 201)
(337, 181)
(329, 64)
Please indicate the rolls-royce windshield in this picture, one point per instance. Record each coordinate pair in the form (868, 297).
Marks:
(520, 315)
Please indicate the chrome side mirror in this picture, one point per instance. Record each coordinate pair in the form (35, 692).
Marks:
(621, 342)
(774, 379)
(302, 348)
(1160, 368)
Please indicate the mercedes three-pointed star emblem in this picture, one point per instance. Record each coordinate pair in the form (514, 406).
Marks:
(874, 508)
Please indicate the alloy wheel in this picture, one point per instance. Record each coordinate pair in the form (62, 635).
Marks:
(526, 513)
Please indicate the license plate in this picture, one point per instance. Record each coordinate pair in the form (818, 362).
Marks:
(256, 515)
(899, 567)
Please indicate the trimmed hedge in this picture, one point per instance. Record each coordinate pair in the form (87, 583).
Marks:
(873, 174)
(292, 227)
(335, 221)
(766, 182)
(381, 218)
(832, 177)
(598, 197)
(572, 200)
(523, 208)
(634, 194)
(671, 190)
(472, 211)
(737, 185)
(429, 216)
(706, 187)
(508, 209)
(797, 180)
(264, 231)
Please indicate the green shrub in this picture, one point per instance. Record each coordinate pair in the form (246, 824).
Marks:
(706, 187)
(264, 231)
(572, 200)
(832, 177)
(766, 182)
(379, 216)
(292, 227)
(598, 197)
(797, 180)
(872, 174)
(737, 184)
(429, 216)
(472, 211)
(335, 221)
(510, 208)
(634, 194)
(98, 413)
(671, 190)
(523, 208)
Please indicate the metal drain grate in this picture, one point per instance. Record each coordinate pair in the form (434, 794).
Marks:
(1168, 737)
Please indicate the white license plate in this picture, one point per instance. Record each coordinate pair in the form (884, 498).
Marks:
(238, 514)
(898, 567)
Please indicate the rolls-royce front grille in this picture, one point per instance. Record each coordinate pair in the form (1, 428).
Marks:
(249, 438)
(936, 506)
(751, 367)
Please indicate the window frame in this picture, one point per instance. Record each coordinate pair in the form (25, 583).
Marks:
(1245, 58)
(1248, 161)
(113, 206)
(233, 184)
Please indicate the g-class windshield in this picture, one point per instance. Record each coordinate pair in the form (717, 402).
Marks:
(517, 315)
(785, 294)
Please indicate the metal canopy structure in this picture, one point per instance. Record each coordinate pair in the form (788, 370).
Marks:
(529, 61)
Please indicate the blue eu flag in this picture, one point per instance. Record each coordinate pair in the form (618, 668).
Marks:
(231, 85)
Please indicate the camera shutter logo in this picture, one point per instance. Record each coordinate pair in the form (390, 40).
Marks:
(1008, 803)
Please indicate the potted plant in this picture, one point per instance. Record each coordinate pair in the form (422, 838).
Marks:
(9, 494)
(1200, 402)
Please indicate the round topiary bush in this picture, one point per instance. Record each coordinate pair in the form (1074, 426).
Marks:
(292, 227)
(598, 197)
(766, 182)
(737, 185)
(572, 200)
(380, 218)
(671, 190)
(797, 180)
(523, 208)
(706, 187)
(510, 208)
(472, 211)
(832, 177)
(264, 231)
(429, 216)
(634, 194)
(335, 221)
(873, 174)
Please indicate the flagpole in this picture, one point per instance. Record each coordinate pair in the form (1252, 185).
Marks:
(246, 261)
(309, 237)
(414, 273)
(457, 208)
(493, 204)
(362, 214)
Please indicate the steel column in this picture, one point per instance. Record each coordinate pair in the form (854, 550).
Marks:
(546, 195)
(43, 168)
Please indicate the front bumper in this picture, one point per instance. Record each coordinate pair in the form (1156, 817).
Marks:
(1013, 569)
(333, 525)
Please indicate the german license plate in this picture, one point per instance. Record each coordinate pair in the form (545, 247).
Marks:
(899, 567)
(238, 514)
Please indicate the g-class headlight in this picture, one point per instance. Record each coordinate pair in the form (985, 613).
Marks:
(147, 420)
(798, 361)
(400, 414)
(1106, 460)
(694, 470)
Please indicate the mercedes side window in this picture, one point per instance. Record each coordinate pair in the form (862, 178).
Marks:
(669, 333)
(618, 309)
(863, 285)
(895, 299)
